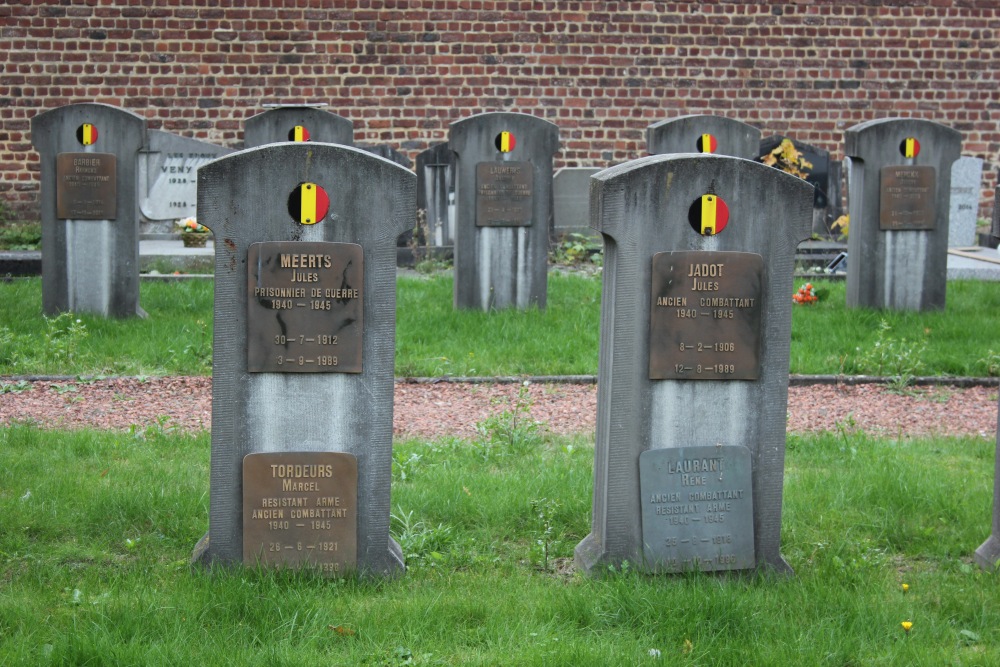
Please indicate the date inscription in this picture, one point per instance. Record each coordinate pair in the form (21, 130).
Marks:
(705, 316)
(906, 198)
(300, 510)
(697, 508)
(86, 186)
(305, 307)
(504, 194)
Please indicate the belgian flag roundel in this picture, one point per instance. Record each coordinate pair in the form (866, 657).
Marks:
(308, 203)
(86, 134)
(707, 144)
(708, 215)
(298, 133)
(505, 142)
(909, 147)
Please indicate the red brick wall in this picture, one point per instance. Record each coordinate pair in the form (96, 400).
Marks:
(402, 70)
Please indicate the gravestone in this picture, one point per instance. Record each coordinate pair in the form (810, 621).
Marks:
(436, 193)
(824, 175)
(298, 124)
(302, 390)
(966, 184)
(695, 337)
(988, 553)
(898, 201)
(504, 192)
(88, 208)
(571, 199)
(703, 134)
(168, 176)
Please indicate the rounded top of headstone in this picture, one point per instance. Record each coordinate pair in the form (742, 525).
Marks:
(224, 163)
(882, 135)
(682, 161)
(505, 116)
(689, 118)
(501, 131)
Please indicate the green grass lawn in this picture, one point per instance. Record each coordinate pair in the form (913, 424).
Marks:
(96, 529)
(433, 339)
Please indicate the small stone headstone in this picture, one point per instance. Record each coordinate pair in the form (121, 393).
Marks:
(715, 135)
(168, 175)
(89, 209)
(571, 199)
(695, 337)
(966, 184)
(303, 355)
(436, 193)
(297, 124)
(899, 194)
(504, 187)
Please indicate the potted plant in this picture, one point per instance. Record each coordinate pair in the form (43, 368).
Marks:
(193, 234)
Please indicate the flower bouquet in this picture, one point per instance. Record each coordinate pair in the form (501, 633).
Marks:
(192, 234)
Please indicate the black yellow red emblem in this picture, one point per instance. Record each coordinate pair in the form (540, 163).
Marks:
(909, 147)
(86, 134)
(505, 142)
(708, 215)
(707, 144)
(308, 203)
(298, 133)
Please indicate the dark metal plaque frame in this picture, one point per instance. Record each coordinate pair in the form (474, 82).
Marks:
(504, 194)
(86, 186)
(906, 198)
(305, 307)
(705, 326)
(697, 508)
(300, 510)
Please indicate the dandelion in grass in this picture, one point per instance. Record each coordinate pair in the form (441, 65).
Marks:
(906, 588)
(906, 626)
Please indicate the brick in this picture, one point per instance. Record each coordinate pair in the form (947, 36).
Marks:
(602, 71)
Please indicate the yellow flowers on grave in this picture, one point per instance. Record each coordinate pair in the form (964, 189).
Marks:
(906, 626)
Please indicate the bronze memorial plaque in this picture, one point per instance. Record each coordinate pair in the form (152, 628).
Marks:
(305, 307)
(705, 316)
(906, 198)
(504, 194)
(300, 510)
(86, 186)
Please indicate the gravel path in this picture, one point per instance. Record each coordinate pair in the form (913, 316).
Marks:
(431, 410)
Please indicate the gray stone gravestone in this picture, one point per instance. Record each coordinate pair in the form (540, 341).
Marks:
(900, 184)
(302, 391)
(963, 211)
(703, 134)
(504, 211)
(436, 193)
(988, 553)
(89, 208)
(168, 176)
(693, 377)
(298, 124)
(571, 199)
